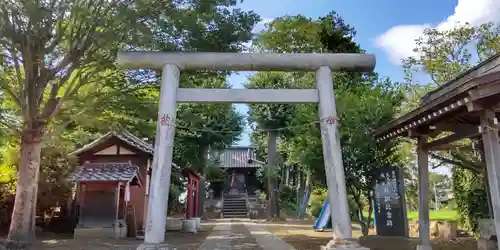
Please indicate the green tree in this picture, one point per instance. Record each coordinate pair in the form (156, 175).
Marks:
(364, 102)
(293, 34)
(50, 50)
(470, 196)
(54, 49)
(299, 34)
(360, 111)
(271, 117)
(444, 54)
(306, 35)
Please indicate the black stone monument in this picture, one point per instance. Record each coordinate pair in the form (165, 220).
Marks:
(389, 202)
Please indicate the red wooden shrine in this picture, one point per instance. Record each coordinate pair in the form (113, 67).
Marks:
(193, 180)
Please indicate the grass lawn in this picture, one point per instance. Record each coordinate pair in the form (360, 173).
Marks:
(442, 215)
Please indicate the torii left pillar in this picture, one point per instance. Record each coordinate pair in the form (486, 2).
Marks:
(162, 161)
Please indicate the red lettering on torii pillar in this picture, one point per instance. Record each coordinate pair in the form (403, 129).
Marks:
(165, 120)
(330, 120)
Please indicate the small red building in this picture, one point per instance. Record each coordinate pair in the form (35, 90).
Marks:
(114, 173)
(193, 182)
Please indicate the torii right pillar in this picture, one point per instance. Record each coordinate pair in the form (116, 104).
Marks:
(334, 167)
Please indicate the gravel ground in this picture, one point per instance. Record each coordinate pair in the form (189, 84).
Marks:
(242, 239)
(182, 241)
(299, 234)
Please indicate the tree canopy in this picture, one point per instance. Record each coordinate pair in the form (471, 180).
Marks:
(60, 86)
(365, 102)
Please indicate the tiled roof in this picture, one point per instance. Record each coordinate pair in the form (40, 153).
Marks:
(126, 137)
(237, 157)
(105, 172)
(136, 141)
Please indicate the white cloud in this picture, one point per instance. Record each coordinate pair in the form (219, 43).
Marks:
(257, 29)
(261, 25)
(398, 42)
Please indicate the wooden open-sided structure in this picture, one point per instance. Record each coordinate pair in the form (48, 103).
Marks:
(466, 107)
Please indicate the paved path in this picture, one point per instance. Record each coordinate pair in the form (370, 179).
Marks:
(242, 235)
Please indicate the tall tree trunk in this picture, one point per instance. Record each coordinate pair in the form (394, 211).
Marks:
(300, 187)
(271, 179)
(22, 225)
(306, 186)
(295, 174)
(270, 194)
(287, 175)
(276, 199)
(282, 178)
(201, 187)
(368, 220)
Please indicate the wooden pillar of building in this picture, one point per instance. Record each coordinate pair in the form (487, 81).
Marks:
(117, 201)
(146, 193)
(492, 158)
(81, 200)
(189, 198)
(126, 198)
(423, 194)
(195, 197)
(192, 196)
(201, 197)
(480, 148)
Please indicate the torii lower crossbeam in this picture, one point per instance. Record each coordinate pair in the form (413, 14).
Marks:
(170, 94)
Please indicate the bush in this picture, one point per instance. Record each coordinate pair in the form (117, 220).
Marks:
(288, 194)
(317, 200)
(470, 197)
(288, 199)
(214, 173)
(174, 205)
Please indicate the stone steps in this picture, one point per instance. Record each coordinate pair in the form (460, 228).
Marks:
(234, 204)
(234, 207)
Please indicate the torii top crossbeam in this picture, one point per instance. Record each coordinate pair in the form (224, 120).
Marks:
(247, 61)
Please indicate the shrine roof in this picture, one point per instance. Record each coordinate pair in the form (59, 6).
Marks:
(238, 157)
(126, 137)
(450, 101)
(93, 172)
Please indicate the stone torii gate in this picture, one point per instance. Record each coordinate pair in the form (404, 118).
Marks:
(172, 63)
